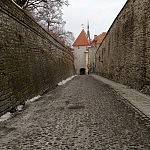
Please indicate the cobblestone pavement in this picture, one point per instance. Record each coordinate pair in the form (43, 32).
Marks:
(83, 114)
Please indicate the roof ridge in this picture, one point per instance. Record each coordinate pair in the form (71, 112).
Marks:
(82, 39)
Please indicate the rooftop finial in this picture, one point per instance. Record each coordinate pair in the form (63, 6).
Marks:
(82, 25)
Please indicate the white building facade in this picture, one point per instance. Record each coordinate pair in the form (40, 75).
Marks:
(81, 59)
(81, 53)
(92, 50)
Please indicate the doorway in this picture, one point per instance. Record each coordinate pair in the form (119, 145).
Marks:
(82, 71)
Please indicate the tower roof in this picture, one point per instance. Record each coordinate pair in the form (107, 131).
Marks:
(82, 40)
(88, 31)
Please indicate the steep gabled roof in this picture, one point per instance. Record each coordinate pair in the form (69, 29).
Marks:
(82, 39)
(98, 39)
(101, 37)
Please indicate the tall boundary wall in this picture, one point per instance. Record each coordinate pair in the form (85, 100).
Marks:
(31, 60)
(124, 54)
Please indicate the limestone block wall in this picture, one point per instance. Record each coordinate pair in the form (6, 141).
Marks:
(124, 54)
(31, 60)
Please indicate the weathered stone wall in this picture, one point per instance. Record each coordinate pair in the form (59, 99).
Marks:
(124, 55)
(31, 60)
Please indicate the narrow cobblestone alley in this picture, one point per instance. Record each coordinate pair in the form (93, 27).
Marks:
(83, 114)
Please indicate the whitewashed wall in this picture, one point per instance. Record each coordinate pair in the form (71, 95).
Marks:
(80, 58)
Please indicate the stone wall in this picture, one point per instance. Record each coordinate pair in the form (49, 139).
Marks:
(31, 60)
(124, 55)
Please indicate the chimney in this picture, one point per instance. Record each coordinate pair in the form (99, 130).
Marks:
(95, 36)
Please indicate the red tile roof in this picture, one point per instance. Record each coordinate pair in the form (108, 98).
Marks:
(82, 39)
(98, 39)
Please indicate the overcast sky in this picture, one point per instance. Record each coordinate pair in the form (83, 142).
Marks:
(100, 14)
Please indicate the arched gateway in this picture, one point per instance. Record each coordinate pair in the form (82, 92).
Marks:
(82, 71)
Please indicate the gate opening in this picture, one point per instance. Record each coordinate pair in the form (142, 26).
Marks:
(82, 71)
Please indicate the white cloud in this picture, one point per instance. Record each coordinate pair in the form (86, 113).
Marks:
(100, 14)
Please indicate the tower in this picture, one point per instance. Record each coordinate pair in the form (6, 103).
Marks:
(88, 31)
(80, 47)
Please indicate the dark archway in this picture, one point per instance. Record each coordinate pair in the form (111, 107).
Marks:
(82, 71)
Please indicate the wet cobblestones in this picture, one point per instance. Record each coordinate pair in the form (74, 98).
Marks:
(84, 114)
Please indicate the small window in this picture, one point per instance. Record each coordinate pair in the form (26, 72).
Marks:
(99, 58)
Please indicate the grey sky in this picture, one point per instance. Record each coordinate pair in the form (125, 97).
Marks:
(100, 14)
